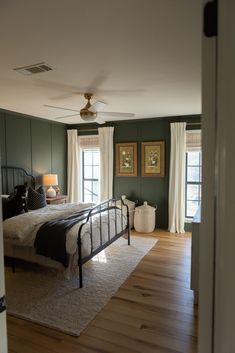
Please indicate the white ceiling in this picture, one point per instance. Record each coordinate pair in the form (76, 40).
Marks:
(139, 56)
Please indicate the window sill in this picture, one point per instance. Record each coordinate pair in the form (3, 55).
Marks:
(188, 220)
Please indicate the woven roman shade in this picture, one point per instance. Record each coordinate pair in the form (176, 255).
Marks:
(89, 141)
(193, 140)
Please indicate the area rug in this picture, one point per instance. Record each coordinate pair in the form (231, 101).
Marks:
(43, 296)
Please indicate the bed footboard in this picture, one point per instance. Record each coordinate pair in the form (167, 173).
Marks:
(98, 211)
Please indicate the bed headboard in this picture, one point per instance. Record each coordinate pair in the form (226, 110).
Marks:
(12, 176)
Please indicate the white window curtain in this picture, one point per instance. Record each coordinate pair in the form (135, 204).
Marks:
(73, 166)
(106, 162)
(177, 178)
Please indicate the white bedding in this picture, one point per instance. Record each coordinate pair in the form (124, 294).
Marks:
(21, 230)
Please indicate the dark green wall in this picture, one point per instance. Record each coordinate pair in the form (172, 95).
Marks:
(153, 190)
(37, 145)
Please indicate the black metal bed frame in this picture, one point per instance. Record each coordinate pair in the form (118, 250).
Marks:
(105, 206)
(14, 175)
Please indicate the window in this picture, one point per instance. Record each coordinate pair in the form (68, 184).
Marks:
(193, 172)
(90, 174)
(193, 182)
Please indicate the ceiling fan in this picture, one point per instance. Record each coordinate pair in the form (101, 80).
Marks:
(91, 112)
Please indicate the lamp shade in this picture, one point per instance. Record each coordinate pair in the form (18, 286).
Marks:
(50, 179)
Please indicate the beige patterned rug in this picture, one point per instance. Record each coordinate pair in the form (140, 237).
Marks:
(43, 296)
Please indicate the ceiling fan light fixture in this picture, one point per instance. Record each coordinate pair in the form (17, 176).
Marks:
(86, 115)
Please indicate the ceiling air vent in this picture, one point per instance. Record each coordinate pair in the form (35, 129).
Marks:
(33, 69)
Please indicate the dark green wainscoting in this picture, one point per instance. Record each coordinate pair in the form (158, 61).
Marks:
(37, 145)
(153, 190)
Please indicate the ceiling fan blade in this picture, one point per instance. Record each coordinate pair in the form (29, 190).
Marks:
(116, 114)
(100, 121)
(58, 86)
(55, 107)
(71, 90)
(97, 81)
(66, 116)
(95, 107)
(64, 96)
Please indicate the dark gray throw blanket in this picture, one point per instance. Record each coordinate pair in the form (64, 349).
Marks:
(50, 240)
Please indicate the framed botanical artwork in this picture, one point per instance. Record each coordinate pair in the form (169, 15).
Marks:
(153, 159)
(126, 159)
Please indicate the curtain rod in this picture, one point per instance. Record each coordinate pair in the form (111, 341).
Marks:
(96, 129)
(194, 123)
(87, 130)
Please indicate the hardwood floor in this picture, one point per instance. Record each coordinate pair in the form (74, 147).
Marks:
(152, 312)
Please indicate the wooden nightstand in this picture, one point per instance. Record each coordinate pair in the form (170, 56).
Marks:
(57, 200)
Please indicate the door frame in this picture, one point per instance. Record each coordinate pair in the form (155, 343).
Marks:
(217, 240)
(3, 327)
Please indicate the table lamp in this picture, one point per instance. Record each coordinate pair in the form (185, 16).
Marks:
(50, 180)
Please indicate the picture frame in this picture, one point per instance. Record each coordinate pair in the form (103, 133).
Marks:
(153, 159)
(126, 159)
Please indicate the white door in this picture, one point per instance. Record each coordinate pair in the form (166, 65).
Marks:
(224, 307)
(217, 237)
(3, 330)
(207, 229)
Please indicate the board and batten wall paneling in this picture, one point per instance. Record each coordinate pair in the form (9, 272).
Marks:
(39, 146)
(18, 144)
(2, 138)
(59, 154)
(153, 190)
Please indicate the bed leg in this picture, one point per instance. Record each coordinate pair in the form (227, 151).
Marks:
(80, 276)
(129, 236)
(80, 257)
(128, 226)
